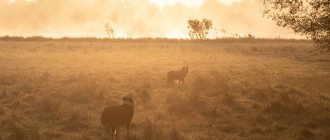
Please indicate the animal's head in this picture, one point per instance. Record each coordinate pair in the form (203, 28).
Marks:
(128, 100)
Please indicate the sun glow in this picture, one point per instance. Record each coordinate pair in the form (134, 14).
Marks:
(229, 2)
(176, 35)
(134, 18)
(162, 3)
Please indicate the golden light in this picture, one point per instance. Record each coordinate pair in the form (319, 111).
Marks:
(176, 35)
(228, 2)
(162, 3)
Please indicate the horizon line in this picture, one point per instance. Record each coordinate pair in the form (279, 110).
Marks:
(138, 38)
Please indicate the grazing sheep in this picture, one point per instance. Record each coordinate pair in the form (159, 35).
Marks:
(177, 75)
(114, 116)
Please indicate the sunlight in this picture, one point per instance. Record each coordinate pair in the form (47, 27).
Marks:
(163, 3)
(10, 1)
(229, 2)
(164, 69)
(166, 18)
(176, 35)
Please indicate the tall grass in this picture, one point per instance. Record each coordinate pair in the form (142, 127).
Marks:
(252, 89)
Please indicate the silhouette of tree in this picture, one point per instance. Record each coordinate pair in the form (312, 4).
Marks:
(223, 31)
(306, 17)
(130, 34)
(110, 31)
(250, 36)
(199, 29)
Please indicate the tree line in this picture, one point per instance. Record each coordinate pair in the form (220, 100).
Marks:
(310, 18)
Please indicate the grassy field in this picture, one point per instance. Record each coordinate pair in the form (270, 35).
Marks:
(235, 90)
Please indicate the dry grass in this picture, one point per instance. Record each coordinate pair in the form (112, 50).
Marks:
(234, 90)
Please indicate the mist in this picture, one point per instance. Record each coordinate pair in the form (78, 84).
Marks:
(76, 18)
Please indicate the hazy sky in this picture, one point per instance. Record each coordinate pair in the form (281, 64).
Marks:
(143, 18)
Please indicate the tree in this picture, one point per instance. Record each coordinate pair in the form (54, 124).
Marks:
(306, 17)
(250, 36)
(110, 31)
(130, 34)
(199, 29)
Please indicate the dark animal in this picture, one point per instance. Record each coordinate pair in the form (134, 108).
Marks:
(114, 116)
(177, 75)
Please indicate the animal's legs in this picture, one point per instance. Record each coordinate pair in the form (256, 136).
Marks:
(127, 129)
(113, 130)
(105, 133)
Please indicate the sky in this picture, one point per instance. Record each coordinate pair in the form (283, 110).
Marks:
(139, 18)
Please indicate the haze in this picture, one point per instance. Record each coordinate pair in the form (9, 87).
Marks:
(142, 18)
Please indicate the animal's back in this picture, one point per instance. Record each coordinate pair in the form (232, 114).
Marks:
(170, 74)
(117, 115)
(173, 75)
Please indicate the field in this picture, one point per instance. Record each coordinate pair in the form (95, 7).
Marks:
(235, 89)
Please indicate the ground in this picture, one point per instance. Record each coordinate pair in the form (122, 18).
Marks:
(235, 89)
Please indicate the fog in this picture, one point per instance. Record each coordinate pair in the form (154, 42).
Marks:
(76, 18)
